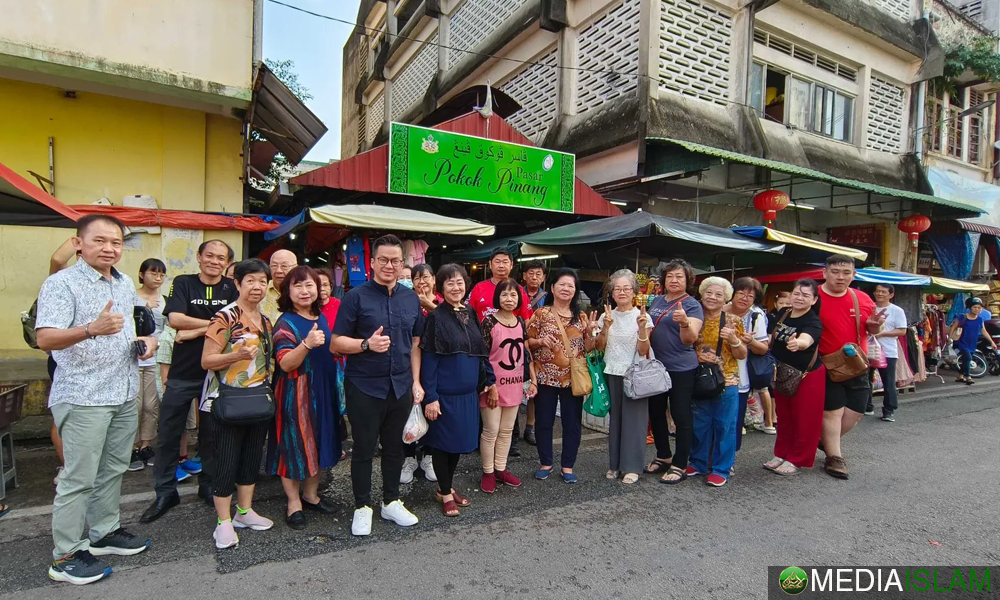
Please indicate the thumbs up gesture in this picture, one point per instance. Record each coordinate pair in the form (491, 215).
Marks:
(793, 343)
(680, 317)
(315, 338)
(378, 342)
(107, 323)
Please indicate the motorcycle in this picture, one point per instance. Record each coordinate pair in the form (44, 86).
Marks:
(991, 356)
(949, 358)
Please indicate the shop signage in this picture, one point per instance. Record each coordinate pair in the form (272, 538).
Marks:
(857, 236)
(440, 164)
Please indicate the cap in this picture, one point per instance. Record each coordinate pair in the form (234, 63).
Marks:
(973, 302)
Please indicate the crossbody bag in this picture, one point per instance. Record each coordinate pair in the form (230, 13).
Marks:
(709, 380)
(247, 405)
(849, 361)
(786, 377)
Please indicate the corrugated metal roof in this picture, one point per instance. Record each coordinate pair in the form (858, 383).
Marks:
(814, 174)
(282, 118)
(368, 171)
(978, 227)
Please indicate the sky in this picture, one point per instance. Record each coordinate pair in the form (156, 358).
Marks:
(316, 47)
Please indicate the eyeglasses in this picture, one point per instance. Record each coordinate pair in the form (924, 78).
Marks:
(745, 294)
(383, 261)
(621, 290)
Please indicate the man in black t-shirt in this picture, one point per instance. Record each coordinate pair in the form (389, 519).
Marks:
(194, 300)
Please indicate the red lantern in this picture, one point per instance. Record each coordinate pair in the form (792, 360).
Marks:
(913, 226)
(770, 202)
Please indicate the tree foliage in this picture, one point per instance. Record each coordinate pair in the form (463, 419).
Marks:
(284, 70)
(979, 56)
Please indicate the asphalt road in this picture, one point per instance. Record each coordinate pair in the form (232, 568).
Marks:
(922, 492)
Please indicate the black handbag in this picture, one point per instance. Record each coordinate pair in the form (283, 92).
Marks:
(145, 323)
(760, 367)
(709, 381)
(251, 405)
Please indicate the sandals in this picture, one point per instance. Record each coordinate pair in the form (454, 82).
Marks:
(4, 509)
(786, 469)
(458, 500)
(676, 475)
(835, 466)
(774, 463)
(658, 466)
(611, 474)
(630, 478)
(449, 508)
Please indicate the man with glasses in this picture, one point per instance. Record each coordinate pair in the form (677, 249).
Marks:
(378, 328)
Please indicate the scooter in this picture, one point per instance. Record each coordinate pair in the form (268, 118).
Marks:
(950, 359)
(992, 356)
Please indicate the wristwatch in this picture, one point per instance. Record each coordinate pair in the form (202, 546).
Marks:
(364, 345)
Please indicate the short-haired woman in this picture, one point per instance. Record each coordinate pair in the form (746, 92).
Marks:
(305, 439)
(237, 353)
(504, 335)
(560, 319)
(624, 333)
(152, 272)
(329, 305)
(715, 418)
(747, 294)
(455, 369)
(677, 320)
(795, 334)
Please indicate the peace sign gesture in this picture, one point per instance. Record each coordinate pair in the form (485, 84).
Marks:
(609, 317)
(642, 319)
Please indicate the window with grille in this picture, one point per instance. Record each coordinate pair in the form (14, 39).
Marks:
(534, 88)
(811, 106)
(976, 129)
(473, 22)
(695, 40)
(362, 127)
(886, 108)
(375, 117)
(411, 83)
(827, 63)
(902, 9)
(956, 125)
(608, 48)
(934, 116)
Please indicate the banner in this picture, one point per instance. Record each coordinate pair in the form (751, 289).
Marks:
(440, 164)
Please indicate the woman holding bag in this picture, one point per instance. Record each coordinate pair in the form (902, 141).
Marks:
(624, 334)
(559, 333)
(305, 439)
(237, 355)
(455, 369)
(720, 348)
(795, 344)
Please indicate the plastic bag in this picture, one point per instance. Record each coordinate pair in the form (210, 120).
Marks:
(598, 403)
(416, 425)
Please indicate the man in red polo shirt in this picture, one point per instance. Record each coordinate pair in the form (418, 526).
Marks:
(845, 400)
(481, 297)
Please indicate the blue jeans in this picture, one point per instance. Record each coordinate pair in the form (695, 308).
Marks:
(571, 409)
(714, 438)
(965, 360)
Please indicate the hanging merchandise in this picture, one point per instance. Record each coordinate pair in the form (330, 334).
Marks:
(338, 276)
(419, 252)
(356, 265)
(368, 256)
(408, 253)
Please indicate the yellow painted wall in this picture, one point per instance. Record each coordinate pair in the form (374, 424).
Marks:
(108, 147)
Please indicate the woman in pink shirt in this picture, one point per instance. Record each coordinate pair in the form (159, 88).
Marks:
(504, 334)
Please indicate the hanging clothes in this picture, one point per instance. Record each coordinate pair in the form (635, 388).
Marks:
(356, 264)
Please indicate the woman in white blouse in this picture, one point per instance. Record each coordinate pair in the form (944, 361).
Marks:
(624, 331)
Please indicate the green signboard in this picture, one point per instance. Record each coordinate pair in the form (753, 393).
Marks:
(440, 164)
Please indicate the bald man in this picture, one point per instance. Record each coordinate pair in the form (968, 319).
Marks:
(281, 263)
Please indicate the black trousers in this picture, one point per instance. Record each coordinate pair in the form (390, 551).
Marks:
(207, 450)
(373, 420)
(680, 399)
(174, 407)
(238, 450)
(445, 465)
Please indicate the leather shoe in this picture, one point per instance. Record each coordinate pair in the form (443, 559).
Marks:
(296, 520)
(514, 451)
(159, 507)
(206, 493)
(325, 506)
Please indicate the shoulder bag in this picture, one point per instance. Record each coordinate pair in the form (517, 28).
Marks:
(709, 380)
(578, 372)
(646, 377)
(848, 362)
(786, 377)
(760, 367)
(251, 405)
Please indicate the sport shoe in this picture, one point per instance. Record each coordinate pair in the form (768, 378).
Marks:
(488, 484)
(870, 411)
(691, 471)
(119, 542)
(715, 480)
(192, 466)
(135, 463)
(529, 434)
(889, 418)
(505, 477)
(181, 474)
(427, 466)
(409, 466)
(251, 520)
(397, 513)
(225, 535)
(362, 524)
(79, 568)
(146, 455)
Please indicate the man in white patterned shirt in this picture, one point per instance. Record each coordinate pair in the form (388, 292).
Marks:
(85, 320)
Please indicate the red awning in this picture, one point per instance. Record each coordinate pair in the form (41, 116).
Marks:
(24, 203)
(369, 171)
(816, 274)
(177, 218)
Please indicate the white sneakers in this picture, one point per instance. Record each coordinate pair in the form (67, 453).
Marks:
(409, 466)
(427, 466)
(362, 524)
(397, 513)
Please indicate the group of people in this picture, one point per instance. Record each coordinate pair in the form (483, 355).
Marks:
(468, 357)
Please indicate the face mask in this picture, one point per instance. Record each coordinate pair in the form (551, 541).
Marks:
(407, 283)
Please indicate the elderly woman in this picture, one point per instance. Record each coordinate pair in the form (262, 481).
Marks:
(715, 417)
(305, 439)
(423, 285)
(455, 368)
(677, 320)
(558, 321)
(747, 293)
(624, 333)
(796, 332)
(237, 354)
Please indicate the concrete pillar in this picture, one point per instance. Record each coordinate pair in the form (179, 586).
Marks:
(649, 46)
(444, 35)
(568, 57)
(740, 54)
(862, 105)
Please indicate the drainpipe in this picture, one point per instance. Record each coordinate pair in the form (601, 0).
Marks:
(258, 34)
(918, 143)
